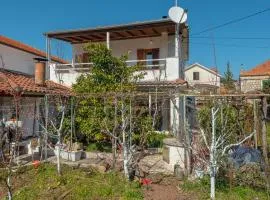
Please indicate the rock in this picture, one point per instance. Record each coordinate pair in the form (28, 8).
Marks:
(101, 169)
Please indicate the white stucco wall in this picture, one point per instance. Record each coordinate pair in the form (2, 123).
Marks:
(66, 79)
(165, 43)
(121, 47)
(205, 76)
(170, 72)
(17, 60)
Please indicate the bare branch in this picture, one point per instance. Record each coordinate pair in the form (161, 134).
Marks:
(204, 138)
(236, 144)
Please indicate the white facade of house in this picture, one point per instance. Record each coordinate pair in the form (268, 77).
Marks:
(17, 60)
(121, 47)
(199, 74)
(167, 62)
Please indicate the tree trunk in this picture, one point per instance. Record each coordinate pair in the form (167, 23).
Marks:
(212, 156)
(113, 153)
(9, 187)
(125, 152)
(212, 195)
(58, 160)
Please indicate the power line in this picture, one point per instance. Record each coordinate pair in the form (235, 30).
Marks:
(232, 22)
(232, 45)
(232, 38)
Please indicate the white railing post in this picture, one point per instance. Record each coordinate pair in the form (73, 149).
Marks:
(108, 40)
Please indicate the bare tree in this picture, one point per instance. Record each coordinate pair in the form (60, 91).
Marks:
(217, 142)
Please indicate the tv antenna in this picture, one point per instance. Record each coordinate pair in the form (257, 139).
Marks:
(179, 16)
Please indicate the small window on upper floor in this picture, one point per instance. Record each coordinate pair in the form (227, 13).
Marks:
(196, 76)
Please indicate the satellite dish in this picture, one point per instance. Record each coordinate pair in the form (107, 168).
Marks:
(177, 15)
(184, 18)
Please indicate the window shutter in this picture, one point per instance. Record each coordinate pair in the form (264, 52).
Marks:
(155, 56)
(155, 53)
(141, 56)
(85, 57)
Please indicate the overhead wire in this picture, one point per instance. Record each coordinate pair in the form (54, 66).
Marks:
(231, 22)
(231, 38)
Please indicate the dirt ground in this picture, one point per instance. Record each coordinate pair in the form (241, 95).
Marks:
(167, 189)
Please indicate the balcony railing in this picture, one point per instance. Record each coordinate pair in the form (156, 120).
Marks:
(150, 64)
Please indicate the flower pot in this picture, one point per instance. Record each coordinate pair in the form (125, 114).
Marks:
(69, 155)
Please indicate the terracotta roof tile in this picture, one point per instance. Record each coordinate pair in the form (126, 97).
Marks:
(260, 70)
(23, 47)
(10, 80)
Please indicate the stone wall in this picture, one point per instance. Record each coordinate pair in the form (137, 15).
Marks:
(252, 83)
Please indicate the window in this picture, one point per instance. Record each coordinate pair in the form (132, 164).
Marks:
(196, 76)
(150, 55)
(149, 58)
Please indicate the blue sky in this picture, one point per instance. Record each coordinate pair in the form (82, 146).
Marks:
(27, 20)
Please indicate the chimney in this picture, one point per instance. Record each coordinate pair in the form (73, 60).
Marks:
(40, 71)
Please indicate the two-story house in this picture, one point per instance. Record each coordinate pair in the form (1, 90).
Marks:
(150, 43)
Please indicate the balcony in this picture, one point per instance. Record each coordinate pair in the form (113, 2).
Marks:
(153, 69)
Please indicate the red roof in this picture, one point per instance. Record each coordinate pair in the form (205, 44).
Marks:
(23, 47)
(11, 80)
(260, 70)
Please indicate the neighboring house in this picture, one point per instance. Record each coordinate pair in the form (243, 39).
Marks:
(17, 69)
(17, 56)
(252, 80)
(199, 74)
(150, 44)
(202, 78)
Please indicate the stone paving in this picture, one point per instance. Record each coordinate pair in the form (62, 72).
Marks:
(151, 164)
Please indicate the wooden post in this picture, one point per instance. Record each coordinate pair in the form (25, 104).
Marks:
(264, 139)
(149, 103)
(255, 126)
(46, 127)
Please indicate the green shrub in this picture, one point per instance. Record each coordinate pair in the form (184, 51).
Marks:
(99, 146)
(155, 139)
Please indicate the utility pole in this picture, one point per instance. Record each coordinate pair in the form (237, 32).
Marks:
(215, 58)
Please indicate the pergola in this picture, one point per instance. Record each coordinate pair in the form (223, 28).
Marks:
(119, 32)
